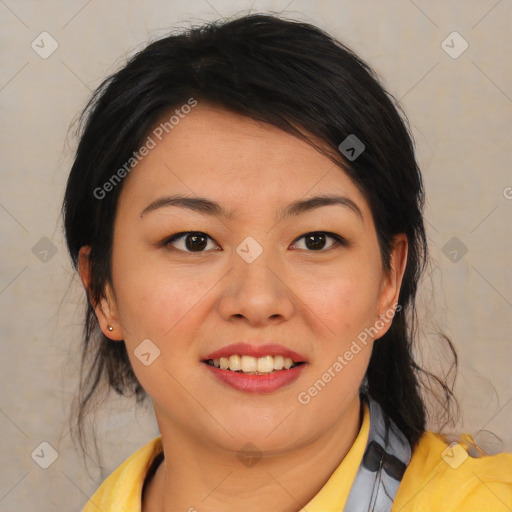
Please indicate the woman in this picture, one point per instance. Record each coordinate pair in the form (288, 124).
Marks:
(245, 213)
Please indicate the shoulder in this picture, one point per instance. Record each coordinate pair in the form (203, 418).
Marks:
(122, 490)
(444, 476)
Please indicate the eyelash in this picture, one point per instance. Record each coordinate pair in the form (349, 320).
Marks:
(338, 240)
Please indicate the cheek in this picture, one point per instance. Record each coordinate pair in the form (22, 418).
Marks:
(163, 308)
(154, 299)
(151, 293)
(346, 300)
(153, 303)
(347, 306)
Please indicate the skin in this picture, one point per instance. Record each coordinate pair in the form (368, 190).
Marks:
(189, 304)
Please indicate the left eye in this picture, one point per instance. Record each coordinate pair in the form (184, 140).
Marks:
(316, 240)
(194, 241)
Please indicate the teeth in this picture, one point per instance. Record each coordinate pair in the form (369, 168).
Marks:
(265, 364)
(249, 364)
(278, 362)
(235, 363)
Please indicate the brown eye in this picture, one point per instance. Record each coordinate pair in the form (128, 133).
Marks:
(189, 241)
(316, 241)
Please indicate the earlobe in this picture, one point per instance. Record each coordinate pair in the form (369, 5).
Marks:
(105, 309)
(392, 282)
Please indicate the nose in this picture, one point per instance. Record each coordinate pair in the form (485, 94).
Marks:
(256, 293)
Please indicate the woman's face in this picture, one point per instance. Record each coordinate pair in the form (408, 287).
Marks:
(250, 277)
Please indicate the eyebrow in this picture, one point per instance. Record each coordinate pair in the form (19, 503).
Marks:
(214, 209)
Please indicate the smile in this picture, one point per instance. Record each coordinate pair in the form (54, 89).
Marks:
(254, 365)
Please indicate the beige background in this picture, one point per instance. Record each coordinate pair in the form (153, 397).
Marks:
(460, 112)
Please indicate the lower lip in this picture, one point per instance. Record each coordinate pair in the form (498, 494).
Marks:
(257, 383)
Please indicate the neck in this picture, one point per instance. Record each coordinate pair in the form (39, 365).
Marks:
(196, 476)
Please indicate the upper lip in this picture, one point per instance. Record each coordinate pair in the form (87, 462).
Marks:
(246, 349)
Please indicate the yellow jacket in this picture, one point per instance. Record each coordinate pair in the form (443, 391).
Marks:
(439, 478)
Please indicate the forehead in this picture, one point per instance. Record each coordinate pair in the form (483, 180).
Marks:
(234, 160)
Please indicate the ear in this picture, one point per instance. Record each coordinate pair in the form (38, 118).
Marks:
(105, 309)
(391, 284)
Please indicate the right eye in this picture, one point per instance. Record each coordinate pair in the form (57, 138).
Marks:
(190, 241)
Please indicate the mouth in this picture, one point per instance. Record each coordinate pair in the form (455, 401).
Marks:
(250, 368)
(249, 365)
